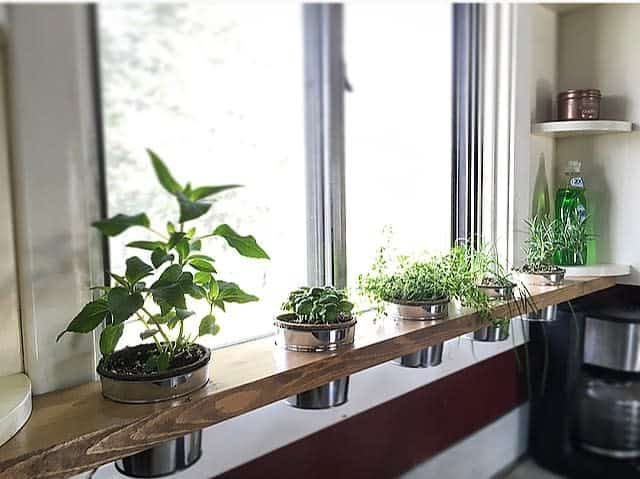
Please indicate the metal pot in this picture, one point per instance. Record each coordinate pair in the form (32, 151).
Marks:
(554, 278)
(154, 387)
(420, 311)
(492, 333)
(332, 394)
(545, 315)
(498, 292)
(307, 338)
(164, 459)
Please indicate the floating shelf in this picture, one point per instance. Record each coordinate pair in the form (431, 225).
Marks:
(15, 404)
(563, 129)
(598, 270)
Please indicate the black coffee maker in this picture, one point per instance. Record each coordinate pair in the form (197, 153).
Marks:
(585, 387)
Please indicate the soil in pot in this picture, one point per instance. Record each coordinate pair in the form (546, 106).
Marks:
(541, 269)
(130, 363)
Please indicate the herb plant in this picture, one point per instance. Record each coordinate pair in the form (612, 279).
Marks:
(542, 244)
(572, 238)
(154, 290)
(319, 305)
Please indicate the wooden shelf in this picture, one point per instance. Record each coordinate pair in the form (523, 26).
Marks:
(563, 129)
(76, 429)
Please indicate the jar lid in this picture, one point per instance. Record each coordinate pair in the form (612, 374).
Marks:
(591, 92)
(569, 94)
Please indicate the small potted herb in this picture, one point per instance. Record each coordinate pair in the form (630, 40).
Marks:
(542, 244)
(573, 236)
(317, 319)
(155, 291)
(412, 291)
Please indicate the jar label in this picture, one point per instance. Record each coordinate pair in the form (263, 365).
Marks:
(576, 182)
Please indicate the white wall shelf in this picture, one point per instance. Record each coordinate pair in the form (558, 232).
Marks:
(561, 129)
(598, 270)
(15, 404)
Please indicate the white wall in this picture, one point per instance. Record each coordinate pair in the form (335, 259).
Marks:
(598, 48)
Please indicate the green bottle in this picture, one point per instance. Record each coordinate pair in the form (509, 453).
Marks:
(571, 206)
(541, 205)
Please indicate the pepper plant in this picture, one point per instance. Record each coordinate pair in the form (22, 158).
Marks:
(154, 290)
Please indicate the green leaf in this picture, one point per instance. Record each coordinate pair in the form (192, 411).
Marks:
(190, 210)
(202, 265)
(202, 256)
(121, 280)
(109, 338)
(158, 362)
(88, 319)
(183, 249)
(147, 245)
(183, 314)
(175, 238)
(159, 256)
(117, 224)
(231, 293)
(122, 304)
(245, 245)
(169, 295)
(137, 269)
(201, 277)
(345, 306)
(214, 290)
(208, 326)
(170, 275)
(196, 245)
(164, 175)
(205, 191)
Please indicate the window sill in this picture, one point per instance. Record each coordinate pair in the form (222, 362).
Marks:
(77, 429)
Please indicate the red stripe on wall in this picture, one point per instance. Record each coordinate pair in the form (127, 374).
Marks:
(391, 438)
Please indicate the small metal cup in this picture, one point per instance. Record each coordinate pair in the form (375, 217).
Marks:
(333, 394)
(313, 337)
(419, 310)
(165, 458)
(425, 358)
(547, 314)
(542, 279)
(492, 333)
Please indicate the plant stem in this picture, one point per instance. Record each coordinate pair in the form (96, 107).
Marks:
(157, 232)
(157, 325)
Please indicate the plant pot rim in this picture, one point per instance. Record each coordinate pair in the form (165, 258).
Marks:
(442, 300)
(540, 273)
(281, 322)
(497, 286)
(156, 376)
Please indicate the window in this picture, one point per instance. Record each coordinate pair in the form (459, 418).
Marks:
(217, 91)
(397, 129)
(220, 92)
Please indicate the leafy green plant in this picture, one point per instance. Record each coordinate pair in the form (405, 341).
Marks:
(542, 243)
(572, 238)
(154, 291)
(319, 305)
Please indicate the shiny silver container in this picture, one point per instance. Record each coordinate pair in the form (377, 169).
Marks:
(547, 314)
(492, 333)
(332, 394)
(498, 292)
(542, 279)
(420, 311)
(425, 358)
(613, 344)
(312, 337)
(163, 386)
(163, 459)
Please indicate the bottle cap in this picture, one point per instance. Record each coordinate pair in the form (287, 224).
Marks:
(573, 166)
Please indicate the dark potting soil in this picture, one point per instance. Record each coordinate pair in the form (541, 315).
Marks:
(546, 268)
(493, 283)
(130, 363)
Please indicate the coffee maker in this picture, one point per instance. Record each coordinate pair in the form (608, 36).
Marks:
(585, 387)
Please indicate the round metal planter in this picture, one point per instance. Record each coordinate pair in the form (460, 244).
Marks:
(492, 333)
(425, 358)
(554, 278)
(163, 459)
(547, 314)
(332, 394)
(157, 387)
(313, 337)
(419, 310)
(496, 292)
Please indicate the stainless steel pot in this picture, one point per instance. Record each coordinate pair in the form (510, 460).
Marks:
(157, 387)
(498, 292)
(312, 337)
(545, 315)
(163, 459)
(332, 394)
(492, 333)
(425, 358)
(420, 311)
(542, 279)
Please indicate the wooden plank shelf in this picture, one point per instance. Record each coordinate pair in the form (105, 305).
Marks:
(563, 129)
(76, 429)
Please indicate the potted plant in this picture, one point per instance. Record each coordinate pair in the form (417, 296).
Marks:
(317, 319)
(573, 236)
(540, 247)
(412, 290)
(155, 292)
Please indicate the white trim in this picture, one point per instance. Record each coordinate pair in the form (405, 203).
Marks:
(57, 184)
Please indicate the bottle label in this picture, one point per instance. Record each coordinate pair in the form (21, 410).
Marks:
(576, 182)
(581, 213)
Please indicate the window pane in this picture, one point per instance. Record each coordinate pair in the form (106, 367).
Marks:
(398, 128)
(216, 90)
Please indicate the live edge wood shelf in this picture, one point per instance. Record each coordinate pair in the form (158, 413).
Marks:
(76, 429)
